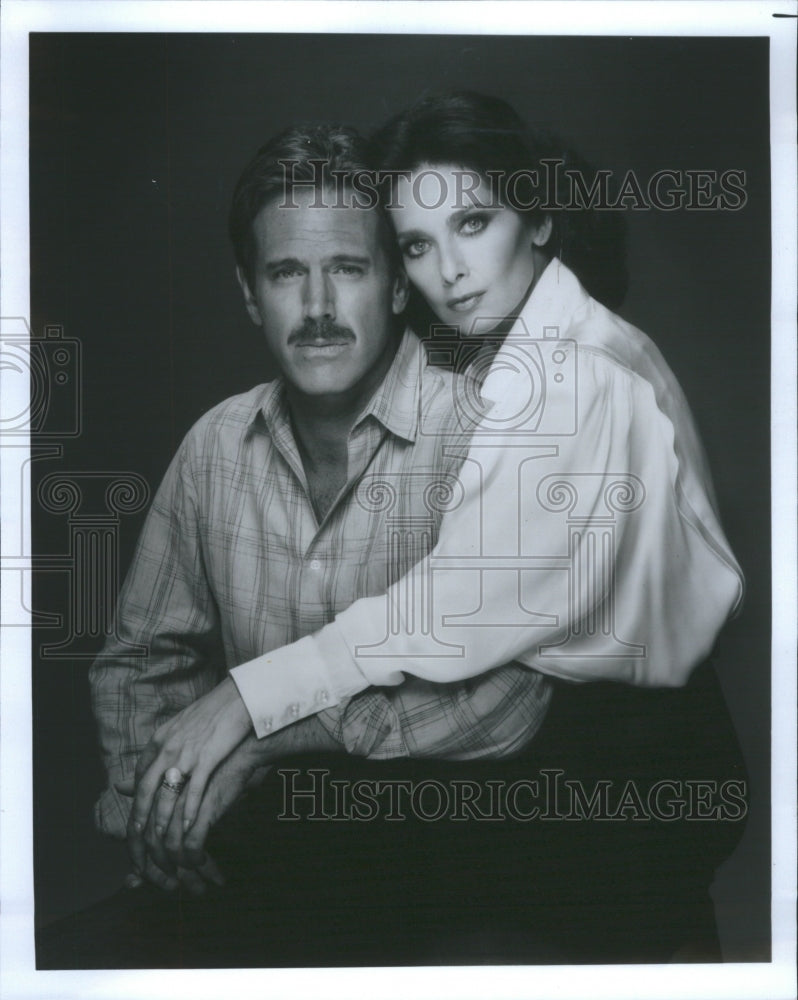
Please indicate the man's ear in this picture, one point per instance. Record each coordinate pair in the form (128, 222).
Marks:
(400, 292)
(249, 298)
(541, 235)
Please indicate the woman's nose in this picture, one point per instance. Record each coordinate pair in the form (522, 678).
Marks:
(452, 264)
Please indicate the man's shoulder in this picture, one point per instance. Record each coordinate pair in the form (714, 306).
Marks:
(234, 414)
(224, 426)
(449, 401)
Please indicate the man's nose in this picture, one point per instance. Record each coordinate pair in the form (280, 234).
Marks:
(319, 296)
(452, 264)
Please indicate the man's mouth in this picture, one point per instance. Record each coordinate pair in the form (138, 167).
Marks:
(321, 342)
(321, 338)
(464, 303)
(322, 348)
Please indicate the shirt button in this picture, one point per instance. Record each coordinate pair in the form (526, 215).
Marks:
(323, 697)
(267, 724)
(295, 709)
(315, 565)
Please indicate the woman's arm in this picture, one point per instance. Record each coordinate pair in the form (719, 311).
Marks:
(594, 555)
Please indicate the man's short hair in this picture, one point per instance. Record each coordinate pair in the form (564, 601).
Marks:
(324, 157)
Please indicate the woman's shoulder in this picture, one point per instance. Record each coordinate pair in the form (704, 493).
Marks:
(613, 348)
(598, 331)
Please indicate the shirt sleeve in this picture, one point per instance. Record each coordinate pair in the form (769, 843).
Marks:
(159, 658)
(488, 717)
(589, 555)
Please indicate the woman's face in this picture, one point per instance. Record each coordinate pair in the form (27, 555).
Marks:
(472, 259)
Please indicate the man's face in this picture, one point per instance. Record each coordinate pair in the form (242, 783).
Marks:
(324, 296)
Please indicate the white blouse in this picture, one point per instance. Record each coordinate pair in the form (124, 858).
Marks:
(581, 537)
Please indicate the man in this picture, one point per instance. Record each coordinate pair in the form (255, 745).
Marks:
(271, 520)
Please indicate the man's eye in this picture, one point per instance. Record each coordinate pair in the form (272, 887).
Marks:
(349, 270)
(415, 249)
(473, 224)
(285, 273)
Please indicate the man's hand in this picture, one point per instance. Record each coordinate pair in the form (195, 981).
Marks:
(195, 741)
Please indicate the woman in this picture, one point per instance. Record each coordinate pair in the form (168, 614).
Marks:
(582, 538)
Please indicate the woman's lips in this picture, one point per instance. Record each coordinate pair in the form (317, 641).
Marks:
(464, 303)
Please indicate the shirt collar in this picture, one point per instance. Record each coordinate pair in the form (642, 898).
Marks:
(394, 404)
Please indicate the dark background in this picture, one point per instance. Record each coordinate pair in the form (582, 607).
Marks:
(135, 144)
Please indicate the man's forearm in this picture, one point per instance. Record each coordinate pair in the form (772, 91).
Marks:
(490, 717)
(306, 736)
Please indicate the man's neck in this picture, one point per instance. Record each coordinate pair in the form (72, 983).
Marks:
(321, 426)
(321, 431)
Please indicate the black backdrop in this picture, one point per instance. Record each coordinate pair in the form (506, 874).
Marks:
(135, 144)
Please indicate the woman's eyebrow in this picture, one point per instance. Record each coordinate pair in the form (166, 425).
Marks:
(454, 219)
(462, 213)
(412, 234)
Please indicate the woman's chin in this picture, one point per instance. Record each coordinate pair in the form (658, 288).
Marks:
(475, 325)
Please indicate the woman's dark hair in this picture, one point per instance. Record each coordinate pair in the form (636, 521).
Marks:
(484, 134)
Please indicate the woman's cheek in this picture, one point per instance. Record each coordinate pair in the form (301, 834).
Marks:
(421, 274)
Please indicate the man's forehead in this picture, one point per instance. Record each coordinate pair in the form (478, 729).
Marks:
(316, 220)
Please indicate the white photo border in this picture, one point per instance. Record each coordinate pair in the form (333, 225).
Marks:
(773, 980)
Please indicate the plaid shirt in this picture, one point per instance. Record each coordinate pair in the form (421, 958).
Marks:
(232, 564)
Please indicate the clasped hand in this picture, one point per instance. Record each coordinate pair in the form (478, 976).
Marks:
(167, 829)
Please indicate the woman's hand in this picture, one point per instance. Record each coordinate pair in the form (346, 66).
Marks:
(242, 770)
(194, 742)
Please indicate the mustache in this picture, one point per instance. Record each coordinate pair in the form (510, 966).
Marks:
(318, 331)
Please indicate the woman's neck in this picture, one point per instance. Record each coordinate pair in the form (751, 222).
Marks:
(541, 263)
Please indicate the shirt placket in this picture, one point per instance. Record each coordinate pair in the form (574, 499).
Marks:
(324, 568)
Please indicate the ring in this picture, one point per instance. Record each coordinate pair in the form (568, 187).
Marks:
(174, 780)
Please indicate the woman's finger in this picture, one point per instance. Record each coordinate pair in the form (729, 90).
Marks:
(173, 839)
(193, 794)
(145, 793)
(170, 793)
(155, 845)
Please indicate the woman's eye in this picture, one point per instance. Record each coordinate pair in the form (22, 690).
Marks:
(415, 249)
(473, 224)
